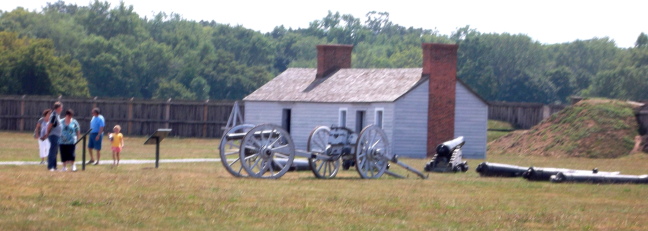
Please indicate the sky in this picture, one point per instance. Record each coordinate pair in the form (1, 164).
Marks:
(547, 21)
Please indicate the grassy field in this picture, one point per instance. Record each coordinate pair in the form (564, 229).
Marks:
(23, 147)
(500, 129)
(203, 196)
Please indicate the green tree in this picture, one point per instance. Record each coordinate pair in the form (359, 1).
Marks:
(30, 66)
(583, 58)
(627, 80)
(9, 43)
(200, 88)
(248, 47)
(173, 90)
(100, 20)
(120, 54)
(562, 84)
(642, 40)
(503, 67)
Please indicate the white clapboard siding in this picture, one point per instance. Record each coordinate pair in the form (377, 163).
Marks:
(471, 121)
(255, 113)
(410, 129)
(305, 117)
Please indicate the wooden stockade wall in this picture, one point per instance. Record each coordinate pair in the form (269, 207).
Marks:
(136, 116)
(642, 119)
(205, 118)
(521, 115)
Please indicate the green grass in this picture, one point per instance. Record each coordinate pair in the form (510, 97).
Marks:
(22, 147)
(203, 196)
(501, 125)
(493, 135)
(497, 125)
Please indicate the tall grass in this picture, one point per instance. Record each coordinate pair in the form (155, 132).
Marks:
(203, 196)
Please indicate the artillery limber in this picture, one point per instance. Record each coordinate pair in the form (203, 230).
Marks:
(268, 151)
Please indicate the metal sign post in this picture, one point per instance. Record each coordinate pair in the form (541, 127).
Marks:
(156, 138)
(83, 158)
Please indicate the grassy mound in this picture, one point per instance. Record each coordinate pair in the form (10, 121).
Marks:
(594, 128)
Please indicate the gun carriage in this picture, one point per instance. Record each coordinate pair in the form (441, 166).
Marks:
(268, 151)
(448, 157)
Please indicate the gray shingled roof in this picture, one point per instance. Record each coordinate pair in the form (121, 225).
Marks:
(349, 85)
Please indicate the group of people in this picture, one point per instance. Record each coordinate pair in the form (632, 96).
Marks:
(54, 133)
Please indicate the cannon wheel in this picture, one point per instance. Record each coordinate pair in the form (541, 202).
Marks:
(229, 150)
(317, 145)
(371, 152)
(264, 144)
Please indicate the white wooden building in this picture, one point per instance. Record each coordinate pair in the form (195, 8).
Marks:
(398, 100)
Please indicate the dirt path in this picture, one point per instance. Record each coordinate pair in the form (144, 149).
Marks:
(109, 161)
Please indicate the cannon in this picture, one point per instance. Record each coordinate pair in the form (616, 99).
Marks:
(500, 170)
(448, 157)
(598, 178)
(544, 174)
(267, 151)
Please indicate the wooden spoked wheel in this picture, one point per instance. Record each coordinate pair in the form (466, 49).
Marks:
(318, 144)
(229, 148)
(267, 151)
(372, 152)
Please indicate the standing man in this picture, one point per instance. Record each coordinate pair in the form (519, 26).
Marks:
(97, 125)
(53, 134)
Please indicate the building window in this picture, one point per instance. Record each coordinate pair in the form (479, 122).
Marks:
(342, 120)
(360, 120)
(286, 119)
(379, 117)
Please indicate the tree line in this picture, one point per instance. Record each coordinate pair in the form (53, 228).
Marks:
(99, 50)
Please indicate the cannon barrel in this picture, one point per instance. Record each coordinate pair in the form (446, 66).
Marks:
(503, 170)
(599, 178)
(446, 148)
(544, 174)
(297, 165)
(239, 136)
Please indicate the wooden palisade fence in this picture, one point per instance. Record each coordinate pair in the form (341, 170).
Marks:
(136, 116)
(521, 115)
(206, 118)
(642, 119)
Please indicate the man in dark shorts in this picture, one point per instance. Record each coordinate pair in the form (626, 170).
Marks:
(97, 125)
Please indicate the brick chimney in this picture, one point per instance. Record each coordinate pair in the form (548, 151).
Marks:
(331, 58)
(440, 65)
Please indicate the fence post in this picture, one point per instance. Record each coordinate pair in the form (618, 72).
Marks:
(21, 124)
(130, 116)
(546, 112)
(205, 113)
(167, 113)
